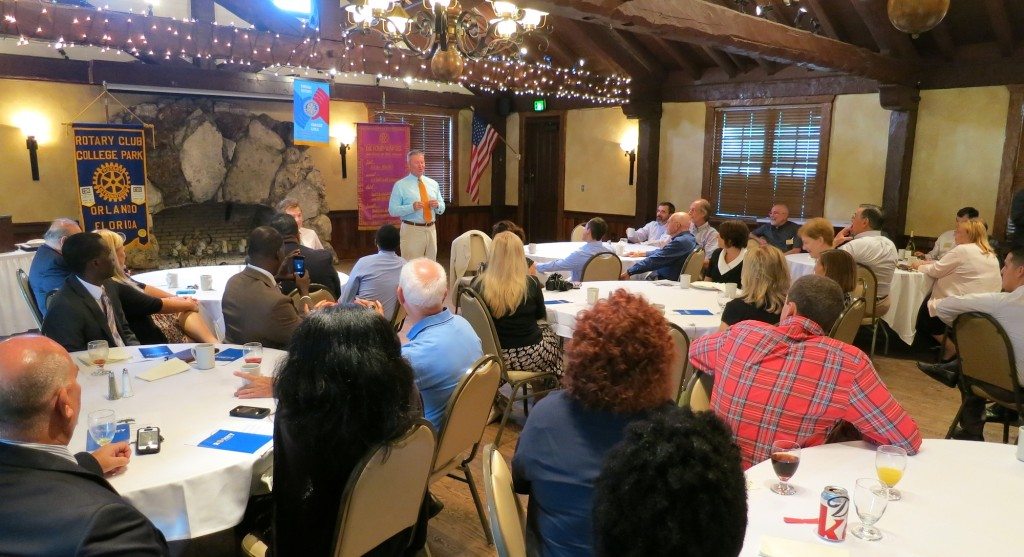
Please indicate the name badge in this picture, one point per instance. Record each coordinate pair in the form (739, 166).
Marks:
(789, 242)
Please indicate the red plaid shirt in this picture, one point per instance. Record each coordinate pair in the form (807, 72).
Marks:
(794, 383)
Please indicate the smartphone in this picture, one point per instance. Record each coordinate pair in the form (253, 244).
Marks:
(253, 412)
(147, 440)
(299, 265)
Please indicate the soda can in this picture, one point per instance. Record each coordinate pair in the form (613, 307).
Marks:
(833, 513)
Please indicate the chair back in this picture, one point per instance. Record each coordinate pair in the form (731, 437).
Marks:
(602, 266)
(30, 298)
(986, 357)
(577, 233)
(317, 293)
(680, 361)
(385, 491)
(398, 319)
(467, 413)
(694, 265)
(697, 394)
(508, 524)
(753, 244)
(867, 288)
(469, 251)
(473, 310)
(846, 327)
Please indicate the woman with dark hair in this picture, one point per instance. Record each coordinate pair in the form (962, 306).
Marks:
(839, 266)
(617, 370)
(726, 263)
(343, 389)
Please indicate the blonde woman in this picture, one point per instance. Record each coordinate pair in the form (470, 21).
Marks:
(816, 235)
(765, 284)
(155, 316)
(516, 302)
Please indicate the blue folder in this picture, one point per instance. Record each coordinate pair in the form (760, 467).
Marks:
(229, 355)
(694, 312)
(236, 441)
(552, 302)
(155, 351)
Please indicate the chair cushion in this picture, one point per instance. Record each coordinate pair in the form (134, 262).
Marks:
(521, 376)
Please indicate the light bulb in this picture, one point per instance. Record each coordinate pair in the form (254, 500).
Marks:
(505, 28)
(504, 9)
(532, 19)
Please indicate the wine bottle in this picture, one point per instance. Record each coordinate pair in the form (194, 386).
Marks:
(911, 250)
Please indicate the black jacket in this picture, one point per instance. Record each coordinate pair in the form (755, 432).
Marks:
(75, 318)
(319, 267)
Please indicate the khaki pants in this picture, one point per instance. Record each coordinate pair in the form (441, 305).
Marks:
(419, 241)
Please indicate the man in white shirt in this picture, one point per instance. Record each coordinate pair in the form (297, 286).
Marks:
(307, 236)
(864, 241)
(706, 235)
(655, 232)
(1007, 308)
(577, 260)
(946, 241)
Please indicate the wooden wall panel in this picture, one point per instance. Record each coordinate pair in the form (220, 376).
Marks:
(617, 224)
(25, 231)
(6, 234)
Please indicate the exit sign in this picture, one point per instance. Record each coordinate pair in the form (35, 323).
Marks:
(540, 105)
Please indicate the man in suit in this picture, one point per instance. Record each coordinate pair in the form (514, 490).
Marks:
(48, 271)
(255, 310)
(86, 309)
(319, 262)
(667, 262)
(56, 503)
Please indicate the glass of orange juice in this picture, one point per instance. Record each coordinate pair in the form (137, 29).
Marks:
(890, 462)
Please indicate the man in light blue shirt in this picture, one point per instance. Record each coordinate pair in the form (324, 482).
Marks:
(375, 277)
(442, 347)
(654, 233)
(416, 199)
(575, 261)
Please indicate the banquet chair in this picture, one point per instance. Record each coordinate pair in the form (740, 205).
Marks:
(846, 327)
(601, 266)
(694, 265)
(680, 360)
(988, 367)
(508, 521)
(868, 290)
(30, 298)
(753, 244)
(697, 394)
(577, 233)
(469, 252)
(467, 413)
(317, 293)
(473, 310)
(398, 319)
(382, 497)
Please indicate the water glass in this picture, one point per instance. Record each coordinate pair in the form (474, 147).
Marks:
(252, 352)
(890, 462)
(870, 498)
(102, 424)
(98, 352)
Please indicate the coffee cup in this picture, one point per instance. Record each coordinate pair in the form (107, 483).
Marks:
(172, 280)
(203, 355)
(730, 290)
(252, 369)
(684, 280)
(531, 248)
(206, 282)
(592, 295)
(660, 307)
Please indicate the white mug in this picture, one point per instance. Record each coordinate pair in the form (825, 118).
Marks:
(203, 354)
(660, 307)
(206, 282)
(252, 369)
(172, 280)
(619, 248)
(684, 280)
(630, 233)
(730, 290)
(592, 294)
(531, 248)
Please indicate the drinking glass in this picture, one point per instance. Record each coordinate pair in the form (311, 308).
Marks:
(890, 462)
(785, 460)
(102, 425)
(252, 352)
(870, 498)
(98, 352)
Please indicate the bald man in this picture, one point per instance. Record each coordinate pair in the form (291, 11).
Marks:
(667, 262)
(56, 503)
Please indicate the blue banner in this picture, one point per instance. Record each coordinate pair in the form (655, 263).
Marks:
(111, 164)
(311, 112)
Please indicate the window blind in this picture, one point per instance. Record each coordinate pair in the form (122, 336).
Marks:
(768, 155)
(433, 135)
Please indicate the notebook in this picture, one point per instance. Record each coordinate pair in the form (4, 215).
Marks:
(168, 368)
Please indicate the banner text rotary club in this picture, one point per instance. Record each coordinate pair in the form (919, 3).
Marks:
(111, 165)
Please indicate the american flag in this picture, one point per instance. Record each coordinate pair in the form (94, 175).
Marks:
(484, 139)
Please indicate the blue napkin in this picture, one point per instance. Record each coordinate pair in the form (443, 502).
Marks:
(229, 355)
(188, 292)
(236, 441)
(693, 312)
(552, 302)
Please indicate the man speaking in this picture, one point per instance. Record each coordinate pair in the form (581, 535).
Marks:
(416, 199)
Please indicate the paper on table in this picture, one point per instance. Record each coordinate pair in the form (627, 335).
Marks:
(782, 547)
(115, 354)
(171, 367)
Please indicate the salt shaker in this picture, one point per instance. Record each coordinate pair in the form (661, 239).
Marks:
(112, 393)
(126, 384)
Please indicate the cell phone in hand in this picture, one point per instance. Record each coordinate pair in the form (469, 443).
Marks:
(252, 412)
(147, 440)
(299, 265)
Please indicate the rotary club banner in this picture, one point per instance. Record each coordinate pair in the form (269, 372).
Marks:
(382, 162)
(111, 164)
(311, 112)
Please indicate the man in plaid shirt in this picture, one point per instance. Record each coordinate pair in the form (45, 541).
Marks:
(792, 382)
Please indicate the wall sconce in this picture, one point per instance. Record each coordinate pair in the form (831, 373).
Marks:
(346, 138)
(628, 145)
(33, 156)
(35, 128)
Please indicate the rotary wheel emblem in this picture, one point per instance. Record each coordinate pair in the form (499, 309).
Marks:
(111, 182)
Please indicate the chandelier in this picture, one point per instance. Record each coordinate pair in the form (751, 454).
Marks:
(443, 32)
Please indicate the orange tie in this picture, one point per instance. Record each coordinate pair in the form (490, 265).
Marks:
(428, 215)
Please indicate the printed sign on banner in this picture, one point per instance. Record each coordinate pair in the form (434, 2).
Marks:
(382, 162)
(311, 112)
(111, 165)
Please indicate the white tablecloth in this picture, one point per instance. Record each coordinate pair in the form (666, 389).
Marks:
(15, 317)
(959, 498)
(553, 251)
(186, 490)
(906, 294)
(562, 317)
(209, 300)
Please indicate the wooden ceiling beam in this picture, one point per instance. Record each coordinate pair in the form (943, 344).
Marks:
(577, 35)
(636, 51)
(674, 52)
(722, 61)
(706, 24)
(889, 40)
(816, 9)
(332, 19)
(202, 10)
(264, 15)
(944, 40)
(1001, 27)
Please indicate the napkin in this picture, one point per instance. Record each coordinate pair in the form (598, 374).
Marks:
(171, 367)
(782, 547)
(116, 354)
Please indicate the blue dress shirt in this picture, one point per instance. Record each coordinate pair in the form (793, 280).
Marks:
(47, 273)
(407, 191)
(375, 277)
(666, 262)
(575, 261)
(441, 349)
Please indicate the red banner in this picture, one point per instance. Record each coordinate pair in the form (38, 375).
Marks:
(382, 152)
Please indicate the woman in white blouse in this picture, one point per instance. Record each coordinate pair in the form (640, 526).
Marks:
(971, 267)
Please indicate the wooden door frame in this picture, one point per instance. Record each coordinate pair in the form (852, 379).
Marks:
(523, 117)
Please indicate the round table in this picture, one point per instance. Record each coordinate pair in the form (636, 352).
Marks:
(562, 307)
(948, 489)
(209, 300)
(553, 251)
(16, 317)
(906, 294)
(187, 491)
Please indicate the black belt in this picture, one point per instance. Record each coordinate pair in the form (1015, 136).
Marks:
(417, 223)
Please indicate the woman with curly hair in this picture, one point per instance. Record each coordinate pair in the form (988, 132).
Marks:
(817, 235)
(765, 284)
(617, 370)
(515, 301)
